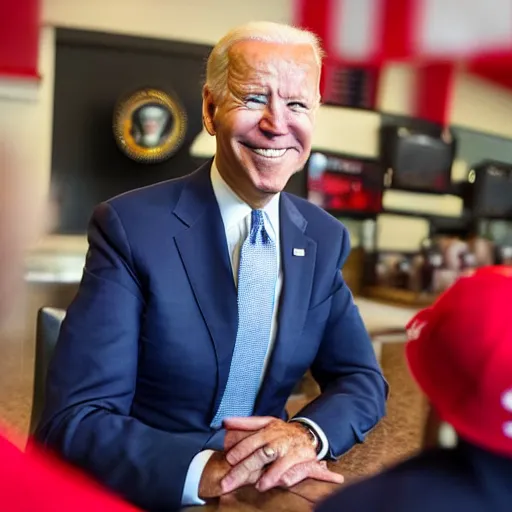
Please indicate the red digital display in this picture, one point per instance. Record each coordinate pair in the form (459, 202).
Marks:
(345, 184)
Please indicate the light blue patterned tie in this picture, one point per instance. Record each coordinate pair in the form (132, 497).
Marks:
(257, 276)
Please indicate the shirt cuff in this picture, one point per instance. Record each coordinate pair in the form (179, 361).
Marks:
(324, 443)
(195, 471)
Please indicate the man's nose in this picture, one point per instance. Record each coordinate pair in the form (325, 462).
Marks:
(274, 121)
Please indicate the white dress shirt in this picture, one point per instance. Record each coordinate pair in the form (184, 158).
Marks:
(236, 216)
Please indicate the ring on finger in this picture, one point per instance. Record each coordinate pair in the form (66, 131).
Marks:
(269, 452)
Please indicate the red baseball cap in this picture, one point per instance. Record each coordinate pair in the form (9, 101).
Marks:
(459, 350)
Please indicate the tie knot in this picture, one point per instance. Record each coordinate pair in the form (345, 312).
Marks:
(256, 219)
(258, 226)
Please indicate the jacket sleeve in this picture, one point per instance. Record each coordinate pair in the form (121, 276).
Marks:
(354, 391)
(92, 379)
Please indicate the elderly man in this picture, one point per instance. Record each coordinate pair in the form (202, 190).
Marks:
(205, 299)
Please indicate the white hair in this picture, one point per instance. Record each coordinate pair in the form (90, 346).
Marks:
(218, 61)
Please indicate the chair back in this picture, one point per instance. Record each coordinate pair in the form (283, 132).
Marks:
(49, 321)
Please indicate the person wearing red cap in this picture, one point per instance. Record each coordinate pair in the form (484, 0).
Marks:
(460, 353)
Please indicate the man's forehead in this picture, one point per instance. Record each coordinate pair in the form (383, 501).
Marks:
(263, 55)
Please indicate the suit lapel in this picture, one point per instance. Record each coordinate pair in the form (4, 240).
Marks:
(204, 253)
(298, 253)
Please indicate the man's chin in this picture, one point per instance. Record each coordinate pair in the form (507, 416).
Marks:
(271, 188)
(273, 183)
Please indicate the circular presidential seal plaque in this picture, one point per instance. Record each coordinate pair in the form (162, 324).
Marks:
(149, 125)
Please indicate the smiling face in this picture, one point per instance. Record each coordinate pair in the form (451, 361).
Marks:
(264, 122)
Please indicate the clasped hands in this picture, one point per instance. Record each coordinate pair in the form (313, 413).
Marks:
(266, 452)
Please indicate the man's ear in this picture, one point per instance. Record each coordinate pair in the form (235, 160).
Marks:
(209, 109)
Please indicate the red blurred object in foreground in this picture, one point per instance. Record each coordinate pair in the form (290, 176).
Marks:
(432, 35)
(36, 481)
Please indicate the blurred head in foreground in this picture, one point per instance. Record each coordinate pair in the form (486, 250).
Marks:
(24, 216)
(460, 353)
(34, 481)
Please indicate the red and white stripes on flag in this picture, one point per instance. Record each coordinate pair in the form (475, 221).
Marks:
(432, 34)
(377, 31)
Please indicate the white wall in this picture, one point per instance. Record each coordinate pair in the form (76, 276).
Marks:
(481, 105)
(395, 94)
(201, 21)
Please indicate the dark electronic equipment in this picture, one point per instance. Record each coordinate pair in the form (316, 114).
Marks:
(417, 160)
(348, 86)
(490, 192)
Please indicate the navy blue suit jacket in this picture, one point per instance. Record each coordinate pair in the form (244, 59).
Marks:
(441, 480)
(144, 352)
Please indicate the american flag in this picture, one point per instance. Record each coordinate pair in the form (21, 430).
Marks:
(378, 31)
(433, 35)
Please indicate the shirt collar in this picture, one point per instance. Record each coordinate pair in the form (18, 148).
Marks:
(233, 209)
